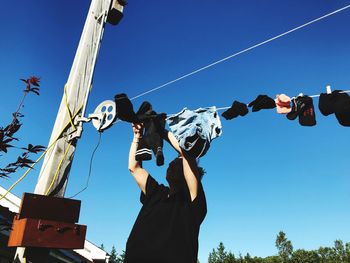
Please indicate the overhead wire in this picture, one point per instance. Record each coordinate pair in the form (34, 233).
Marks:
(311, 96)
(167, 84)
(240, 52)
(90, 167)
(185, 76)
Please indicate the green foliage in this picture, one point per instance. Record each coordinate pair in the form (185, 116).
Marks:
(220, 255)
(121, 257)
(340, 253)
(113, 255)
(284, 247)
(272, 259)
(115, 258)
(304, 256)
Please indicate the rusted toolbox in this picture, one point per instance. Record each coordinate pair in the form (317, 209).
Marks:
(48, 222)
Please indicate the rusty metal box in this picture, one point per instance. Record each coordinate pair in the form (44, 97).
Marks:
(47, 222)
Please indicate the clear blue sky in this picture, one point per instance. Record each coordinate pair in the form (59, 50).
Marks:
(265, 173)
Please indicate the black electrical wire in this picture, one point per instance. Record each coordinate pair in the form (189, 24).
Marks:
(90, 167)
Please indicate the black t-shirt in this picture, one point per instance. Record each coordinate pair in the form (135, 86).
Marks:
(167, 227)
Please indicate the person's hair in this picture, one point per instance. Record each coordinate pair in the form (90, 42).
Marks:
(201, 172)
(176, 171)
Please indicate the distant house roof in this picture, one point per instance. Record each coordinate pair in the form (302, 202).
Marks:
(10, 205)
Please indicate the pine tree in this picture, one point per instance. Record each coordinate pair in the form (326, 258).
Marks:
(284, 246)
(121, 257)
(113, 256)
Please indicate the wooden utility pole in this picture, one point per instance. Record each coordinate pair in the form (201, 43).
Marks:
(58, 160)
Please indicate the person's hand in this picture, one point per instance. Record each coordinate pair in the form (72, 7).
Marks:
(137, 129)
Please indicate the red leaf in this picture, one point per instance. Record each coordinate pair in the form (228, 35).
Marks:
(24, 160)
(17, 115)
(35, 90)
(4, 175)
(34, 149)
(34, 81)
(9, 170)
(8, 140)
(4, 146)
(13, 128)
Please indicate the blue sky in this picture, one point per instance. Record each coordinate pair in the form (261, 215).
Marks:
(264, 174)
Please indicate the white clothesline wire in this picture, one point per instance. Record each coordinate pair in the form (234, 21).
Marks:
(312, 96)
(240, 52)
(228, 107)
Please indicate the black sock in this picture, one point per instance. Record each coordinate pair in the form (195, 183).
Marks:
(342, 109)
(125, 109)
(299, 104)
(307, 117)
(262, 102)
(292, 115)
(159, 156)
(237, 109)
(144, 110)
(302, 107)
(143, 152)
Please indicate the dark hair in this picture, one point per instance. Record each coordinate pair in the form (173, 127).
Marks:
(177, 167)
(201, 172)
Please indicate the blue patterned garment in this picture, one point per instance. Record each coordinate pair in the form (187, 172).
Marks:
(195, 130)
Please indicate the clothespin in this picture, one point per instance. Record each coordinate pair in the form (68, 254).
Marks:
(299, 95)
(328, 88)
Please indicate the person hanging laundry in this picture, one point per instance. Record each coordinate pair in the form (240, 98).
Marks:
(195, 130)
(283, 104)
(167, 227)
(237, 109)
(303, 107)
(337, 103)
(262, 102)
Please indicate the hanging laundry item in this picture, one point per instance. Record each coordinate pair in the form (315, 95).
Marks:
(144, 152)
(125, 110)
(153, 127)
(303, 107)
(338, 103)
(326, 102)
(144, 110)
(342, 110)
(151, 140)
(262, 102)
(195, 130)
(237, 109)
(283, 104)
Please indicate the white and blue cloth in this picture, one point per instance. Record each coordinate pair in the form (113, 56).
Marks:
(195, 130)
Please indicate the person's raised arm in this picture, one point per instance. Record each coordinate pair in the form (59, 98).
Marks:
(190, 168)
(191, 174)
(135, 167)
(170, 138)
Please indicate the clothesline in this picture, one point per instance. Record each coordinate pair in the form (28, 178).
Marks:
(311, 96)
(240, 52)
